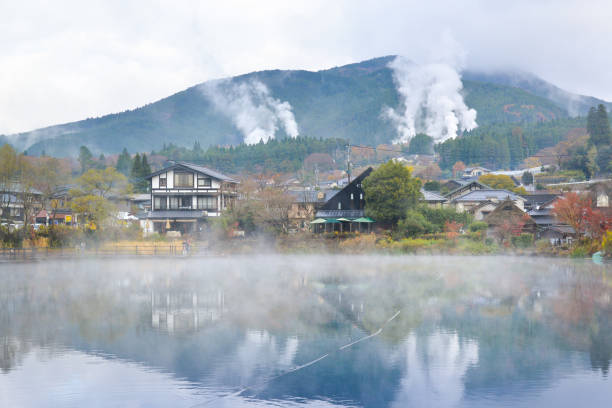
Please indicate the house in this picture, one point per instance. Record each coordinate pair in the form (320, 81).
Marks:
(509, 214)
(483, 209)
(17, 203)
(475, 198)
(305, 205)
(471, 172)
(558, 234)
(433, 199)
(345, 210)
(184, 195)
(451, 185)
(464, 189)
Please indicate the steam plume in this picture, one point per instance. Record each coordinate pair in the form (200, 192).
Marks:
(251, 108)
(430, 101)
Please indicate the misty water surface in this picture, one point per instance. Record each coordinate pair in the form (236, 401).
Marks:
(232, 332)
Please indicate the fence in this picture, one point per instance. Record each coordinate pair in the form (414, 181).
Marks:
(110, 250)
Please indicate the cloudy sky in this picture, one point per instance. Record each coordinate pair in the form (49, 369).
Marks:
(67, 60)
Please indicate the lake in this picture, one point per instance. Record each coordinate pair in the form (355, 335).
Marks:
(308, 331)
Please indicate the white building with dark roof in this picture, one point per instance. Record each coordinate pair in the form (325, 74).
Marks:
(184, 196)
(476, 198)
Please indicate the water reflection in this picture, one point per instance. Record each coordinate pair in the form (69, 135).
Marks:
(159, 333)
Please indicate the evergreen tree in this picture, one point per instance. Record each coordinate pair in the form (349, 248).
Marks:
(124, 163)
(85, 159)
(145, 170)
(421, 144)
(598, 127)
(136, 171)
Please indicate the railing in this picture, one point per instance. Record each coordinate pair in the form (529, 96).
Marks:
(24, 254)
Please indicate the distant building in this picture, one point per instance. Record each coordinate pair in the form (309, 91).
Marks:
(464, 189)
(433, 199)
(506, 212)
(183, 197)
(345, 210)
(473, 199)
(305, 205)
(476, 172)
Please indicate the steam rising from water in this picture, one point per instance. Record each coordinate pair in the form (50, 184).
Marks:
(430, 101)
(252, 109)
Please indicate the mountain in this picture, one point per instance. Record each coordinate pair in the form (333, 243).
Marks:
(343, 102)
(575, 105)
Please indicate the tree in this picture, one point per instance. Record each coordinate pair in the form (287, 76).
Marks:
(85, 159)
(458, 167)
(124, 163)
(430, 172)
(497, 181)
(49, 173)
(571, 210)
(145, 170)
(90, 198)
(390, 191)
(320, 161)
(527, 178)
(421, 144)
(136, 171)
(9, 170)
(598, 126)
(531, 162)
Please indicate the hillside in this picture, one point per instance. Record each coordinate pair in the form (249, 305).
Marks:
(343, 102)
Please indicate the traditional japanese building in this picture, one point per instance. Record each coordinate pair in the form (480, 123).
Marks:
(184, 196)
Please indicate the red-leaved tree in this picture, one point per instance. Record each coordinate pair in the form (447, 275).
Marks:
(571, 210)
(576, 211)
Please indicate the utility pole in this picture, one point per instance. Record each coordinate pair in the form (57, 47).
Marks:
(348, 162)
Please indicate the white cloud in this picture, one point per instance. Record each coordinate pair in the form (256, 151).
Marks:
(67, 60)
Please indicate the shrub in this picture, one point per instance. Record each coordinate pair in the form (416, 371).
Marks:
(358, 243)
(522, 241)
(606, 243)
(414, 224)
(440, 216)
(477, 248)
(63, 236)
(11, 239)
(478, 226)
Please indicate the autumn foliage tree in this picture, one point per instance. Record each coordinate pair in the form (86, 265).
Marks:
(571, 209)
(576, 211)
(458, 167)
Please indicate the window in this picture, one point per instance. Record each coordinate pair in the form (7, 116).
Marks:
(163, 181)
(207, 203)
(159, 203)
(185, 202)
(204, 182)
(183, 180)
(174, 202)
(339, 206)
(351, 196)
(361, 196)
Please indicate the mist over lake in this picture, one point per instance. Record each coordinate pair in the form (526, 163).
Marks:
(371, 331)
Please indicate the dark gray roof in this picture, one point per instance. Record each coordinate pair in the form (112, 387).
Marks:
(197, 168)
(432, 196)
(340, 213)
(488, 194)
(311, 196)
(171, 214)
(544, 220)
(466, 185)
(539, 212)
(538, 199)
(18, 189)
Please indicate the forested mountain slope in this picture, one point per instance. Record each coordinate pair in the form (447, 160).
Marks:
(343, 102)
